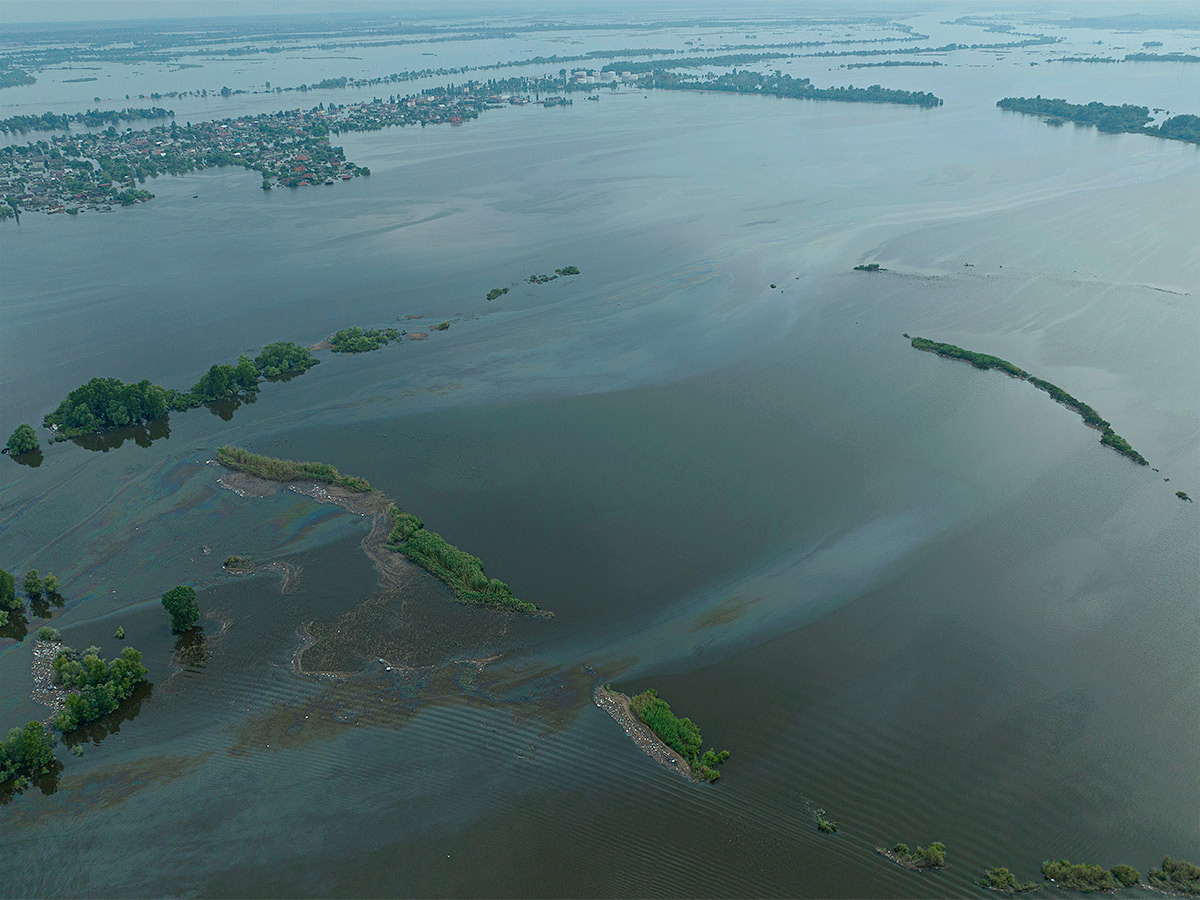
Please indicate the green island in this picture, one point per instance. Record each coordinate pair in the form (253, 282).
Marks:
(824, 825)
(778, 85)
(457, 569)
(92, 118)
(496, 293)
(1089, 878)
(1182, 495)
(34, 585)
(869, 267)
(1001, 879)
(359, 340)
(238, 564)
(680, 734)
(272, 469)
(107, 403)
(23, 440)
(545, 279)
(1091, 418)
(98, 686)
(1124, 119)
(931, 857)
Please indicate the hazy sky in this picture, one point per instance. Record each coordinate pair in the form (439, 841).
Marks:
(12, 11)
(87, 10)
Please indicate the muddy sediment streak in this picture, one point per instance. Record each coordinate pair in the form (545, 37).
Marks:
(392, 627)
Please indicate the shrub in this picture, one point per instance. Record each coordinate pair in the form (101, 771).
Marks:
(26, 752)
(1078, 876)
(1000, 879)
(1176, 875)
(1127, 875)
(358, 340)
(48, 634)
(23, 440)
(287, 470)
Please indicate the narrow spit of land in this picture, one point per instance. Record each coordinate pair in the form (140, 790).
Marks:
(393, 531)
(1091, 418)
(674, 742)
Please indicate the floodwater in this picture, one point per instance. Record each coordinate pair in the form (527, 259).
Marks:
(917, 595)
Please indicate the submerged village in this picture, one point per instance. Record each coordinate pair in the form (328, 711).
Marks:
(75, 172)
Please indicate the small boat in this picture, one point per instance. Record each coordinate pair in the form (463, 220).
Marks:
(347, 176)
(329, 181)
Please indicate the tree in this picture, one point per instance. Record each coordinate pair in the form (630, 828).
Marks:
(50, 584)
(33, 584)
(8, 592)
(23, 440)
(180, 604)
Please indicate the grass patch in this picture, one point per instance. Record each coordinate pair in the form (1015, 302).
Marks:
(287, 469)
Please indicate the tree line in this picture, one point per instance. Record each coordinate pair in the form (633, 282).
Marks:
(1123, 119)
(105, 403)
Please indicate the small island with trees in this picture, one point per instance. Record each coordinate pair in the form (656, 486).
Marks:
(1091, 418)
(407, 535)
(107, 403)
(675, 742)
(931, 857)
(1123, 119)
(359, 340)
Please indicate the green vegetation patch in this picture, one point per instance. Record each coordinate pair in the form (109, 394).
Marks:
(1177, 875)
(459, 570)
(26, 752)
(496, 293)
(182, 608)
(931, 857)
(1087, 877)
(359, 340)
(287, 470)
(238, 564)
(1000, 879)
(105, 403)
(780, 85)
(1124, 119)
(23, 440)
(681, 735)
(99, 686)
(824, 825)
(1091, 418)
(869, 267)
(48, 634)
(283, 358)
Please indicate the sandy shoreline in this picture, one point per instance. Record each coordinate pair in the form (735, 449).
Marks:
(45, 691)
(617, 705)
